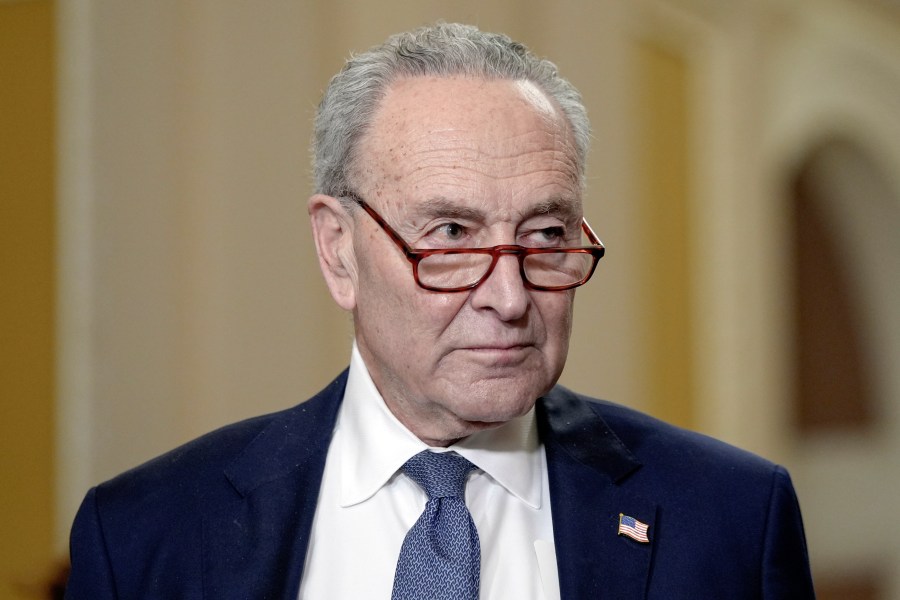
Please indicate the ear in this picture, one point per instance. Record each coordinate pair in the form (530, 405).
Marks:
(333, 233)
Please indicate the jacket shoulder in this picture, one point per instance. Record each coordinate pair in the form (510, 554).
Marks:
(199, 469)
(145, 533)
(656, 442)
(655, 456)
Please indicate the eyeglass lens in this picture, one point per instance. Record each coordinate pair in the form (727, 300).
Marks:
(546, 270)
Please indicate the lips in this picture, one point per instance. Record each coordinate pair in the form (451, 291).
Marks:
(498, 346)
(499, 355)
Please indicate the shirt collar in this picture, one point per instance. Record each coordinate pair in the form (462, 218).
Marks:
(374, 445)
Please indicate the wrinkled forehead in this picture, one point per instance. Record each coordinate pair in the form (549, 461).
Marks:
(422, 105)
(459, 137)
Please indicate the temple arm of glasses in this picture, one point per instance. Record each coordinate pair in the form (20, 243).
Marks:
(590, 233)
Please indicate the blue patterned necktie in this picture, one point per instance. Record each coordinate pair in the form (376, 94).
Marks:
(441, 555)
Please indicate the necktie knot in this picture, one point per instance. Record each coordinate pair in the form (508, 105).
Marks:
(440, 474)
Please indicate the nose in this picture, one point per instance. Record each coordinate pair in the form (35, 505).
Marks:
(503, 291)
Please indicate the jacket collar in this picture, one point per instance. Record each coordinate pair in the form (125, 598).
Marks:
(588, 468)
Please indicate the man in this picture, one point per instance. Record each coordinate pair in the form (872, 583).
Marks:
(441, 141)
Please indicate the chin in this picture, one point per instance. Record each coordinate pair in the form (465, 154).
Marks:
(493, 413)
(492, 400)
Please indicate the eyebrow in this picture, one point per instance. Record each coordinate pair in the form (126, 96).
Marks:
(556, 206)
(444, 207)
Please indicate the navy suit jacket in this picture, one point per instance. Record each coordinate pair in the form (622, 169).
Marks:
(229, 515)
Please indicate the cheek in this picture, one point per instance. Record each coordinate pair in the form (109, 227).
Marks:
(391, 303)
(556, 311)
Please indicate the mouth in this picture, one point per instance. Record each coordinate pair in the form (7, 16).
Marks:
(497, 346)
(499, 354)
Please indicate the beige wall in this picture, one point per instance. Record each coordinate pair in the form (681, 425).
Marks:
(189, 293)
(838, 77)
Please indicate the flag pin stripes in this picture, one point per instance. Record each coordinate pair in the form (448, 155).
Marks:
(631, 527)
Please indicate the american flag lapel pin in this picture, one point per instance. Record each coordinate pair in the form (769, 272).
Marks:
(631, 527)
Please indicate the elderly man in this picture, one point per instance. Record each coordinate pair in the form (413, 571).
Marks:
(445, 462)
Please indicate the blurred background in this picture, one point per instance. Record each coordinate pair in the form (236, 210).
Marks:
(157, 277)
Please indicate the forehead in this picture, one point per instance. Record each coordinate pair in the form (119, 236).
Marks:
(459, 138)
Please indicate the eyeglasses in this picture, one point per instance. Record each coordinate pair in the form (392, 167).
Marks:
(461, 269)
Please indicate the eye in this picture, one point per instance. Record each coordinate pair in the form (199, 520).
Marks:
(552, 234)
(451, 231)
(546, 237)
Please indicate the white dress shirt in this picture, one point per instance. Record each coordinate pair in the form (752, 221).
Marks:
(366, 504)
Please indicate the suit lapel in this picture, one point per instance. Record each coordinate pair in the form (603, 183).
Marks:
(255, 541)
(588, 467)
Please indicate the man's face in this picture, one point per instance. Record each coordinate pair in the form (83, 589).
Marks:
(462, 163)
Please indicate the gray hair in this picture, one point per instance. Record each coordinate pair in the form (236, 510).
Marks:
(441, 50)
